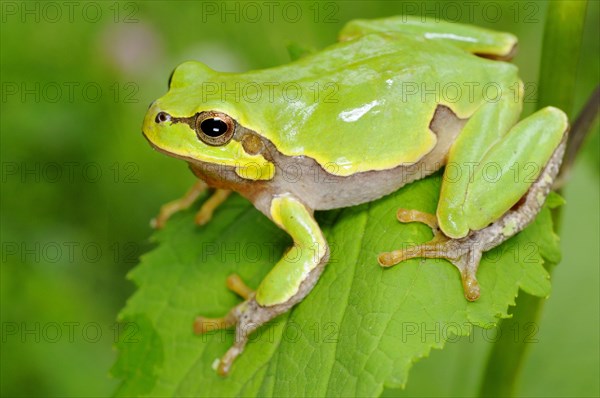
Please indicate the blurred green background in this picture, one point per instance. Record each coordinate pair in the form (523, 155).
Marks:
(80, 183)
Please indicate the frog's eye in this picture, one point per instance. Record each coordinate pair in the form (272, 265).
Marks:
(215, 128)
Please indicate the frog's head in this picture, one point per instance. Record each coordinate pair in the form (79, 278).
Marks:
(189, 124)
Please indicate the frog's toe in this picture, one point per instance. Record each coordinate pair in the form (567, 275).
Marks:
(168, 209)
(237, 285)
(411, 215)
(204, 325)
(468, 263)
(205, 214)
(160, 220)
(430, 249)
(202, 218)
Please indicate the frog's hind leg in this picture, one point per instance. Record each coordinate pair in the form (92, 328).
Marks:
(465, 253)
(292, 278)
(479, 41)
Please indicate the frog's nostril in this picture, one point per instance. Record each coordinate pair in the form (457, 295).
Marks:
(162, 117)
(152, 103)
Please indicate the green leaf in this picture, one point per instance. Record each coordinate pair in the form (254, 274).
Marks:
(297, 51)
(361, 328)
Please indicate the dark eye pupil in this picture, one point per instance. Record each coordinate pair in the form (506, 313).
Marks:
(162, 117)
(213, 127)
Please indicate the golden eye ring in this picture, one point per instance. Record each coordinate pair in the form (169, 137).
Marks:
(215, 128)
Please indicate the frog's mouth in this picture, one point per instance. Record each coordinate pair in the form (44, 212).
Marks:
(167, 152)
(164, 151)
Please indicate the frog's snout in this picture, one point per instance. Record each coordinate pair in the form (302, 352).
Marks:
(156, 114)
(154, 117)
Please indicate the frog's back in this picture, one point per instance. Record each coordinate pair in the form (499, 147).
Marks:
(366, 104)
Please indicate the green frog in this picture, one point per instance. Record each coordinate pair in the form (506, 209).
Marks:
(357, 121)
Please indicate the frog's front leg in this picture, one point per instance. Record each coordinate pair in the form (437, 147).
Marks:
(292, 278)
(204, 214)
(481, 214)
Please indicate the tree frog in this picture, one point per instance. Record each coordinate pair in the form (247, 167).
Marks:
(393, 101)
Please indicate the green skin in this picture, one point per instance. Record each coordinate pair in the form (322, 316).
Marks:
(366, 114)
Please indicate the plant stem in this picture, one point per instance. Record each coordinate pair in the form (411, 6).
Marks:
(560, 56)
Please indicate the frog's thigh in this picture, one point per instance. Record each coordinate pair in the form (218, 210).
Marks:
(512, 166)
(310, 249)
(486, 128)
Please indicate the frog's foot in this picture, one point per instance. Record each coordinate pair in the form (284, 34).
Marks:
(168, 209)
(464, 255)
(208, 208)
(246, 317)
